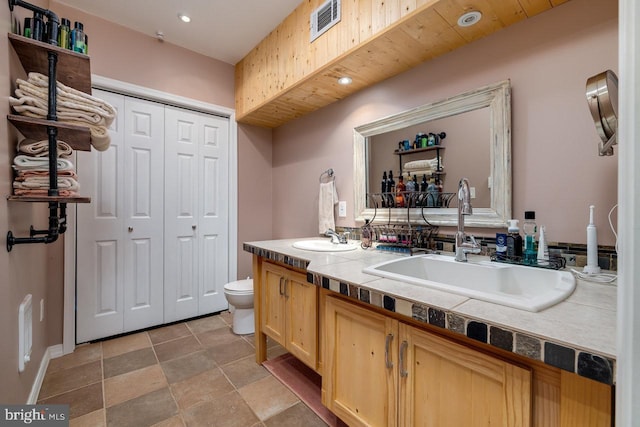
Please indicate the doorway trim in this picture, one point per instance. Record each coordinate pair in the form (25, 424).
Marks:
(123, 88)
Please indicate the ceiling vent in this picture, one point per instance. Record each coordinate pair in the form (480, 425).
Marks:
(324, 17)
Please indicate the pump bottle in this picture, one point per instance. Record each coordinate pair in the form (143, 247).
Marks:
(514, 241)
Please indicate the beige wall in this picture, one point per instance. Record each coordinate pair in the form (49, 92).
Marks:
(255, 191)
(556, 170)
(119, 54)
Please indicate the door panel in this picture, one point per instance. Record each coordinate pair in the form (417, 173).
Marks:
(213, 220)
(144, 214)
(486, 390)
(302, 312)
(355, 363)
(193, 177)
(100, 238)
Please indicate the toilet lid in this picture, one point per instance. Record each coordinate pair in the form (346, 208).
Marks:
(245, 285)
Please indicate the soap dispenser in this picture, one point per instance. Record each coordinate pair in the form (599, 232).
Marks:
(514, 241)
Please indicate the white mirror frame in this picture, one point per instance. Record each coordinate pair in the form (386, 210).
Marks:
(498, 98)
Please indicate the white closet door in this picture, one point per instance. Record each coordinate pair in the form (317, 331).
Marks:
(100, 238)
(143, 214)
(120, 233)
(196, 213)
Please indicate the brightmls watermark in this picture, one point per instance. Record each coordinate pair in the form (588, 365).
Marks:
(34, 415)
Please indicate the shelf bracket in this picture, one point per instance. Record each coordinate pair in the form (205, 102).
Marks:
(57, 226)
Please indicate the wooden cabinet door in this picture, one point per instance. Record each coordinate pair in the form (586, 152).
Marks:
(273, 312)
(302, 318)
(447, 384)
(360, 365)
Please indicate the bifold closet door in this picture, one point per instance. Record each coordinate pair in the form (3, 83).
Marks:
(196, 213)
(120, 233)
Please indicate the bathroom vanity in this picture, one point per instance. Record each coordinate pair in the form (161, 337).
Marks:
(392, 353)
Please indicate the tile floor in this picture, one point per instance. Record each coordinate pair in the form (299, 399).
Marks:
(194, 373)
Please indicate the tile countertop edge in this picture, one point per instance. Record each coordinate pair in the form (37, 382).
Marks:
(590, 364)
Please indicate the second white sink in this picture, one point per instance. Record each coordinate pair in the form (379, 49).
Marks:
(525, 288)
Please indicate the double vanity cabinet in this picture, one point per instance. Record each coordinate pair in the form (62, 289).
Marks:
(381, 368)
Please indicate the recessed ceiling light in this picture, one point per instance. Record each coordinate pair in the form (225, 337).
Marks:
(184, 18)
(469, 19)
(345, 80)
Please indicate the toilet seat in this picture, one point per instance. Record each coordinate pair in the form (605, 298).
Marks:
(239, 287)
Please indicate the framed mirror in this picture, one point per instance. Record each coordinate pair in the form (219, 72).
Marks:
(496, 99)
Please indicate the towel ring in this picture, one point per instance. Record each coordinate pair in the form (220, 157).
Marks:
(328, 173)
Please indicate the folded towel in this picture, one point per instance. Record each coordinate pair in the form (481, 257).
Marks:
(328, 198)
(22, 162)
(21, 175)
(422, 164)
(75, 98)
(100, 138)
(37, 192)
(64, 183)
(41, 148)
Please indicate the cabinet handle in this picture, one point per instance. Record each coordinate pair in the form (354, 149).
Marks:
(286, 282)
(280, 285)
(403, 349)
(193, 227)
(387, 345)
(130, 229)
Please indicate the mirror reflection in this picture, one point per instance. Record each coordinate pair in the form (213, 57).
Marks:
(472, 139)
(464, 151)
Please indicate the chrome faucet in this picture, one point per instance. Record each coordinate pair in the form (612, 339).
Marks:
(464, 244)
(335, 237)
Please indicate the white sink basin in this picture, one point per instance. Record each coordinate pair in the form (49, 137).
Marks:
(525, 288)
(324, 246)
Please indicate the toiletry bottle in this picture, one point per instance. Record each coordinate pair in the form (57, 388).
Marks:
(411, 184)
(501, 246)
(423, 190)
(77, 37)
(366, 233)
(432, 194)
(63, 33)
(514, 241)
(37, 26)
(27, 27)
(530, 228)
(440, 187)
(401, 188)
(86, 44)
(543, 249)
(391, 190)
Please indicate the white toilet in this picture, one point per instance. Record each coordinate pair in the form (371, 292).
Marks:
(239, 294)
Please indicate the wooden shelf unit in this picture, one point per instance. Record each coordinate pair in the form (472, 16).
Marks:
(73, 68)
(78, 137)
(47, 199)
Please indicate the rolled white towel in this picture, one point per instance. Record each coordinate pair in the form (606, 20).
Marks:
(22, 162)
(422, 164)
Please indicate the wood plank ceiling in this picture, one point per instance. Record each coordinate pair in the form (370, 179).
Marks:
(286, 77)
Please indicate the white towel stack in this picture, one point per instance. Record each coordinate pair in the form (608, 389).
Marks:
(73, 107)
(32, 169)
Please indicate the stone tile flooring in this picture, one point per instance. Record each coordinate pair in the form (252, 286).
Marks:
(194, 373)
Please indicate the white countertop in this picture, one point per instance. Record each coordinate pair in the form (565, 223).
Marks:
(585, 321)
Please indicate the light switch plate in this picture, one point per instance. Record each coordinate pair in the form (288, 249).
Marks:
(472, 190)
(342, 209)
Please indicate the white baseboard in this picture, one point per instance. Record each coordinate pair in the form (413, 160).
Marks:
(51, 353)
